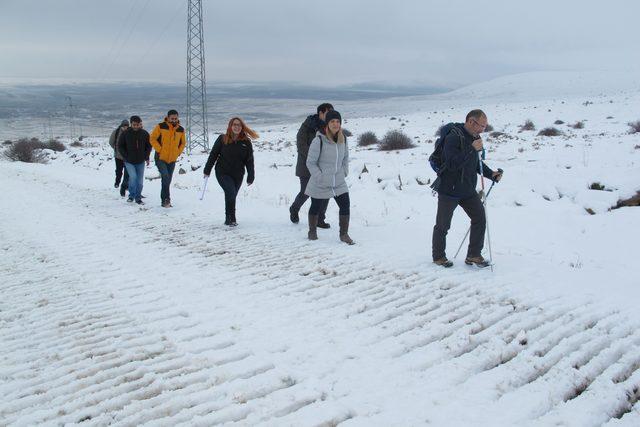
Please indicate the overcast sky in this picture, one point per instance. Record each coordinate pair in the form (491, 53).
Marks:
(330, 42)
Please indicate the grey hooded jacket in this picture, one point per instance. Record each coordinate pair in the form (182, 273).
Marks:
(113, 140)
(328, 163)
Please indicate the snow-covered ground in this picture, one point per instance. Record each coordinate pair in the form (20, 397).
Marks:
(113, 314)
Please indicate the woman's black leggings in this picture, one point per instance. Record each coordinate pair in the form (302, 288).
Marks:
(320, 205)
(231, 188)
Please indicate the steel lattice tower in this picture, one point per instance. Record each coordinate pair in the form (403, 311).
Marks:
(197, 131)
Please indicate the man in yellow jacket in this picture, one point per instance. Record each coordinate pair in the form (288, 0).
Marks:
(168, 139)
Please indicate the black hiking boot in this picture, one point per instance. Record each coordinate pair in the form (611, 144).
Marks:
(443, 262)
(293, 216)
(230, 220)
(478, 261)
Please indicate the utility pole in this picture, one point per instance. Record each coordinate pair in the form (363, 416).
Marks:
(72, 125)
(197, 131)
(50, 127)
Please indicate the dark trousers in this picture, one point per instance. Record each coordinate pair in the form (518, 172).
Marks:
(166, 174)
(474, 209)
(119, 171)
(301, 198)
(230, 187)
(320, 205)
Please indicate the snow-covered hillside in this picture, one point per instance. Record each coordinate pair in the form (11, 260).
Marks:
(113, 314)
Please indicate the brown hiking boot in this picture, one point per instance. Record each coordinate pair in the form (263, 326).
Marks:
(443, 262)
(313, 224)
(344, 230)
(478, 261)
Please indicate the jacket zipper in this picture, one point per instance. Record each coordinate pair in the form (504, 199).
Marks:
(335, 173)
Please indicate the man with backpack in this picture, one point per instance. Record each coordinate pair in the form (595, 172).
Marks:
(113, 139)
(457, 163)
(305, 135)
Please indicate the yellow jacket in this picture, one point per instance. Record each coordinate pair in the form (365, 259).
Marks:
(168, 141)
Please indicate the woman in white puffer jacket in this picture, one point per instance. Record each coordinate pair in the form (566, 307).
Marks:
(328, 163)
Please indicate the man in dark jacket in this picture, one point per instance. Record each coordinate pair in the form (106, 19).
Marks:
(305, 135)
(135, 149)
(458, 187)
(113, 139)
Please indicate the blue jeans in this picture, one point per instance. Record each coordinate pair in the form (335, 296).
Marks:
(230, 188)
(136, 179)
(166, 174)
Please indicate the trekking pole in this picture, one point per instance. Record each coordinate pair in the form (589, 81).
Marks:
(486, 217)
(464, 239)
(204, 187)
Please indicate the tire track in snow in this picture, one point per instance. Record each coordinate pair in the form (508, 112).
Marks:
(411, 320)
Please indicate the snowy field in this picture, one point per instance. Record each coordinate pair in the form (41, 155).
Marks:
(112, 314)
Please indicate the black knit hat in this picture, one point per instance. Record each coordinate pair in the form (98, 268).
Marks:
(332, 114)
(124, 123)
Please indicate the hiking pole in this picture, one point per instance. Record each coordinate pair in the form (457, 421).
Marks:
(484, 199)
(204, 187)
(484, 205)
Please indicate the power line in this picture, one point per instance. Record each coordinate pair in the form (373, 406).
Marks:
(161, 34)
(126, 40)
(120, 32)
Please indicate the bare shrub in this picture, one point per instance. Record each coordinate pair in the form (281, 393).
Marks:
(347, 132)
(498, 134)
(577, 125)
(395, 140)
(549, 132)
(77, 144)
(635, 126)
(528, 125)
(596, 186)
(25, 150)
(367, 138)
(55, 145)
(558, 122)
(7, 142)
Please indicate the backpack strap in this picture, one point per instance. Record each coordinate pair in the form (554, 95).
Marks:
(459, 134)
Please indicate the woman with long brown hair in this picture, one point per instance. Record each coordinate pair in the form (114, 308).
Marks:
(232, 153)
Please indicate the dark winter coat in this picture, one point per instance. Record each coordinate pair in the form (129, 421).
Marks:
(134, 145)
(460, 176)
(306, 134)
(231, 159)
(113, 139)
